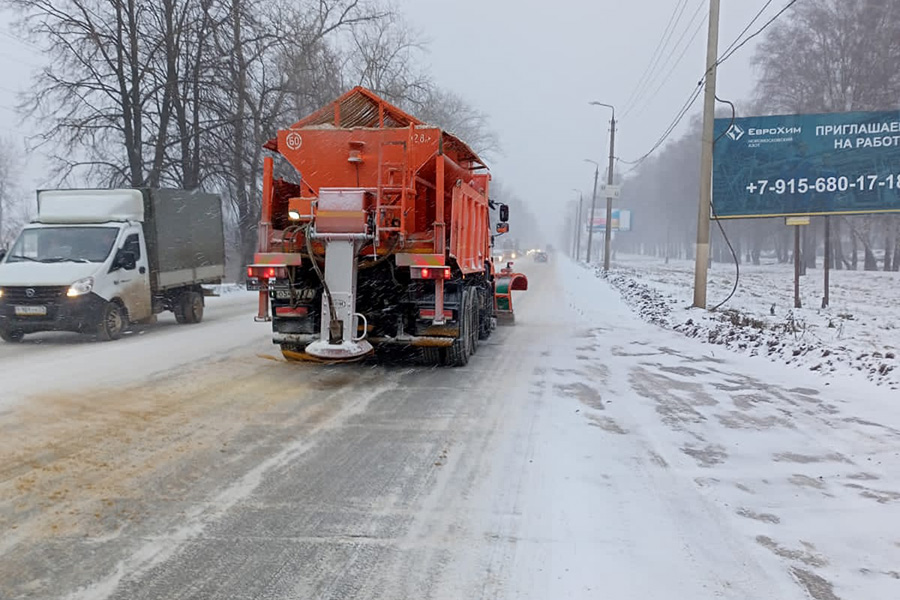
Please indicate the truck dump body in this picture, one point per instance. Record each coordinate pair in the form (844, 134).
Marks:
(412, 202)
(185, 241)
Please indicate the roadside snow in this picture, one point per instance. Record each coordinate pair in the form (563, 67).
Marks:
(51, 362)
(789, 488)
(859, 332)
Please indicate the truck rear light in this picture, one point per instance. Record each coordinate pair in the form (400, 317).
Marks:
(266, 272)
(430, 272)
(428, 313)
(291, 311)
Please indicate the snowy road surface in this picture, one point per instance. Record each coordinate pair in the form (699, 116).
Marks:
(581, 454)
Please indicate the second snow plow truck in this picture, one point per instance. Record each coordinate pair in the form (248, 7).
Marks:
(383, 238)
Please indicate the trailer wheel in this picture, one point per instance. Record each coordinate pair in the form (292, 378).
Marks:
(189, 308)
(13, 336)
(112, 322)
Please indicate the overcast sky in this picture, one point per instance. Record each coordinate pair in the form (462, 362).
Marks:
(533, 66)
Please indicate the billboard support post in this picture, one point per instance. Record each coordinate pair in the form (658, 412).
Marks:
(797, 303)
(827, 265)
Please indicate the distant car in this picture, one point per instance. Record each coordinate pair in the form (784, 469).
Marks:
(540, 256)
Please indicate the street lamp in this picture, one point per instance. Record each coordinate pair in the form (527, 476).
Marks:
(593, 208)
(609, 181)
(578, 218)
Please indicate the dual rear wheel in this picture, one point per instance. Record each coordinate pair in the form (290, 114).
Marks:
(471, 330)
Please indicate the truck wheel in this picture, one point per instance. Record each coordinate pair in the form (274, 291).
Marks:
(457, 355)
(474, 318)
(189, 308)
(13, 336)
(112, 322)
(484, 315)
(432, 356)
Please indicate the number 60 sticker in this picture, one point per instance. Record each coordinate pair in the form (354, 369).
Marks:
(293, 141)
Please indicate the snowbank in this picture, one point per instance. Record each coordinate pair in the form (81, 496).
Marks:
(858, 332)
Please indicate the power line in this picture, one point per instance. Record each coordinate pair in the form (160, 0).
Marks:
(757, 32)
(640, 98)
(20, 40)
(681, 113)
(677, 62)
(659, 46)
(749, 25)
(696, 93)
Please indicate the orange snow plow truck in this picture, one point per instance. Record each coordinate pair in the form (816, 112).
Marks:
(384, 237)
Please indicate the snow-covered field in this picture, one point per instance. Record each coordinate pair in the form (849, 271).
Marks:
(859, 332)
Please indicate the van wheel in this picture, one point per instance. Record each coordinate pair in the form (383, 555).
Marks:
(189, 308)
(13, 336)
(112, 322)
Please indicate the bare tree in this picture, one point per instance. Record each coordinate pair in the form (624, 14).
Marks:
(387, 58)
(13, 208)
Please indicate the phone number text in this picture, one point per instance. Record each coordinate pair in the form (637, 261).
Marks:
(822, 185)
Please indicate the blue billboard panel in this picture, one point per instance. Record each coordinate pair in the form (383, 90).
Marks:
(838, 163)
(621, 221)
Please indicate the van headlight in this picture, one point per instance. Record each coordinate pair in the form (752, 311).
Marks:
(81, 287)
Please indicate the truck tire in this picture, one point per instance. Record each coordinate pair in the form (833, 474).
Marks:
(473, 302)
(112, 322)
(432, 355)
(486, 305)
(457, 355)
(13, 336)
(188, 308)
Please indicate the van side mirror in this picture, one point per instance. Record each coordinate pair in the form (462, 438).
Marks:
(502, 228)
(2, 253)
(125, 259)
(504, 213)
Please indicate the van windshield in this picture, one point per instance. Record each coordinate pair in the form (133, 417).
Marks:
(64, 244)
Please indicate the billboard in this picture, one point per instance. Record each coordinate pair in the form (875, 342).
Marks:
(621, 221)
(838, 163)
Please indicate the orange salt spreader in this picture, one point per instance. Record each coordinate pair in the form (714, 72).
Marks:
(383, 237)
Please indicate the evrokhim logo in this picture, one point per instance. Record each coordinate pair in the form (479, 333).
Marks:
(735, 132)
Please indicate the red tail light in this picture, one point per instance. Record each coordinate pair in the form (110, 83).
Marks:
(291, 311)
(428, 313)
(431, 272)
(264, 272)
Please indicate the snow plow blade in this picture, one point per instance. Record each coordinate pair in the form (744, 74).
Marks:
(507, 283)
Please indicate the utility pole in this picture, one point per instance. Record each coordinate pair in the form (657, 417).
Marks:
(578, 224)
(701, 263)
(797, 303)
(593, 207)
(609, 181)
(827, 265)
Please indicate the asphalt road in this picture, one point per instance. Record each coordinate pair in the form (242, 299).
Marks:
(580, 454)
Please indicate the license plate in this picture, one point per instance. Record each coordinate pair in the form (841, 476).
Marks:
(31, 311)
(304, 294)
